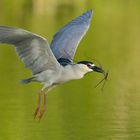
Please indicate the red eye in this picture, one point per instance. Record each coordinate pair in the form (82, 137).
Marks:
(89, 65)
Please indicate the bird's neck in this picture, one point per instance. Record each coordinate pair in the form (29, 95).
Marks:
(73, 72)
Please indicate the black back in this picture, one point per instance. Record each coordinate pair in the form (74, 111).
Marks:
(64, 61)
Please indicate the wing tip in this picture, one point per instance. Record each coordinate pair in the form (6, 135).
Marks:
(89, 13)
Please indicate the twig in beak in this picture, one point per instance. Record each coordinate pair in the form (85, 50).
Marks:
(105, 78)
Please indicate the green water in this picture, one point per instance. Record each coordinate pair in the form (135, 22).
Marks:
(75, 110)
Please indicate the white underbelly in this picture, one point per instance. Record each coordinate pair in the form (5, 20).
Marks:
(50, 77)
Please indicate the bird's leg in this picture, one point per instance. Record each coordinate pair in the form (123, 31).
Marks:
(44, 106)
(38, 104)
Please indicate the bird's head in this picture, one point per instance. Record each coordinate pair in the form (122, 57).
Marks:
(88, 66)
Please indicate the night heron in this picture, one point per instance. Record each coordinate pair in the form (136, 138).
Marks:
(52, 65)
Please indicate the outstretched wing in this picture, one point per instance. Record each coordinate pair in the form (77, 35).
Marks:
(66, 40)
(33, 50)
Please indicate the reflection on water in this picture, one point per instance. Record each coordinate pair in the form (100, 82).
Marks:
(75, 110)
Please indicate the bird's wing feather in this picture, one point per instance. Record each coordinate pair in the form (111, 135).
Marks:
(66, 40)
(33, 49)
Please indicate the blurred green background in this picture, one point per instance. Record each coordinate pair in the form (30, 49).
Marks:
(75, 110)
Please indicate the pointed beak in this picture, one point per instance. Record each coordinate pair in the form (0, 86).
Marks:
(97, 69)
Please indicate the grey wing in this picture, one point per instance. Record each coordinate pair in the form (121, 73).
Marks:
(65, 41)
(33, 50)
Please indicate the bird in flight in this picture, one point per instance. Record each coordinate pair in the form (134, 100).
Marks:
(51, 65)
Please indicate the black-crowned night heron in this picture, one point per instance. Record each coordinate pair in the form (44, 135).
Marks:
(52, 65)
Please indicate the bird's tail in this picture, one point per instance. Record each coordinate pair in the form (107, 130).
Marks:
(28, 80)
